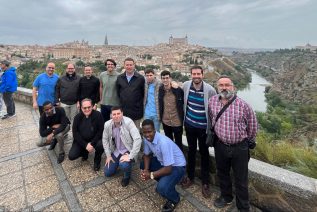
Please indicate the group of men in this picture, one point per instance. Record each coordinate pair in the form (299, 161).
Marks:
(125, 99)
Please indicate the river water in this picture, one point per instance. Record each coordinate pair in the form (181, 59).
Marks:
(254, 93)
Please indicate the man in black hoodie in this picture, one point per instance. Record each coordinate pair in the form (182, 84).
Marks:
(67, 88)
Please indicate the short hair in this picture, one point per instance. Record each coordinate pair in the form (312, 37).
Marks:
(116, 108)
(6, 63)
(111, 60)
(224, 76)
(85, 100)
(47, 103)
(148, 122)
(165, 72)
(196, 67)
(128, 59)
(149, 70)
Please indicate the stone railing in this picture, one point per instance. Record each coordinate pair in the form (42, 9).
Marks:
(271, 188)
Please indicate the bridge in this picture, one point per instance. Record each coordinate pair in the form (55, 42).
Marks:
(31, 179)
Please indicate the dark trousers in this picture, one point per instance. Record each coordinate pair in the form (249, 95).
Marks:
(237, 158)
(175, 134)
(105, 112)
(193, 134)
(8, 100)
(77, 151)
(41, 110)
(166, 184)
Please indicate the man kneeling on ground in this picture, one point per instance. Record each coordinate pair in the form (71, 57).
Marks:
(87, 134)
(164, 162)
(53, 126)
(121, 141)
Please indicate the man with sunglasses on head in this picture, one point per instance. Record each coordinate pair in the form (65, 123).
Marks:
(44, 87)
(87, 133)
(108, 90)
(53, 126)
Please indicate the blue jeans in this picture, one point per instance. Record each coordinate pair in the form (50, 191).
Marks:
(113, 166)
(166, 184)
(157, 123)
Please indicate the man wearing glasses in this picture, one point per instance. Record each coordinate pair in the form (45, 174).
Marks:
(108, 90)
(53, 126)
(87, 133)
(44, 87)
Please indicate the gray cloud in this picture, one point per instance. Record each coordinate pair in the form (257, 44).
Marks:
(236, 23)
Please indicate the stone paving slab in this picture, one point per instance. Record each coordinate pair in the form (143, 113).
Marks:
(31, 179)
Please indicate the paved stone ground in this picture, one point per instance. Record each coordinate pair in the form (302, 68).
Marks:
(31, 180)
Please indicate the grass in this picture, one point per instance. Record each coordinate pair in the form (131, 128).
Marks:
(298, 158)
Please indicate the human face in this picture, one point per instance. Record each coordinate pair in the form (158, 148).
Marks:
(149, 77)
(110, 66)
(86, 108)
(148, 132)
(129, 66)
(116, 116)
(70, 69)
(197, 76)
(88, 71)
(50, 69)
(166, 80)
(48, 109)
(225, 88)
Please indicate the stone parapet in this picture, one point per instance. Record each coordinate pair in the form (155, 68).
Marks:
(271, 188)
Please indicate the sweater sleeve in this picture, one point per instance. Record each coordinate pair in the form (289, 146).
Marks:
(44, 129)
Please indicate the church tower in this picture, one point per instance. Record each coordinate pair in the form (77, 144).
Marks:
(106, 41)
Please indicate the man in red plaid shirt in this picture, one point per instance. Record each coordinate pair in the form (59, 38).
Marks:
(236, 130)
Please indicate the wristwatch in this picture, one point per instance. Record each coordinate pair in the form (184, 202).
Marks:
(152, 175)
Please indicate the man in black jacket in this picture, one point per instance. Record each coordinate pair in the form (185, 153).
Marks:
(53, 126)
(67, 88)
(130, 88)
(87, 133)
(171, 103)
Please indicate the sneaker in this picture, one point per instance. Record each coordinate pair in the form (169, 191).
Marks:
(7, 116)
(125, 182)
(53, 144)
(61, 158)
(220, 202)
(169, 206)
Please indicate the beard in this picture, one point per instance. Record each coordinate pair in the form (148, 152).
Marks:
(226, 94)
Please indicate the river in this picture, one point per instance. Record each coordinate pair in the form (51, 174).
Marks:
(254, 93)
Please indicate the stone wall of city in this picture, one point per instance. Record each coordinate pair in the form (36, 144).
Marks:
(271, 188)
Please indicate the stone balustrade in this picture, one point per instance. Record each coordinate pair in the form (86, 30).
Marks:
(271, 188)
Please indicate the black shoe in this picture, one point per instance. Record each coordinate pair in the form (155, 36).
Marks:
(169, 206)
(53, 144)
(125, 182)
(61, 158)
(96, 166)
(220, 202)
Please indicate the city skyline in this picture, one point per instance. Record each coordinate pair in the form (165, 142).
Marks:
(239, 24)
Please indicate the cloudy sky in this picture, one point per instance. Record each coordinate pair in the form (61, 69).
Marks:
(211, 23)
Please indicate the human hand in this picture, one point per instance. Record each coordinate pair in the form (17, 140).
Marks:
(125, 158)
(108, 160)
(145, 174)
(35, 106)
(90, 148)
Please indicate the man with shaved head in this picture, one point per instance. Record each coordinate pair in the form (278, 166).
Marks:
(44, 87)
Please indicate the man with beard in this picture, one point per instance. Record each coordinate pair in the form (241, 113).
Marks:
(53, 126)
(67, 92)
(108, 90)
(89, 87)
(196, 96)
(236, 130)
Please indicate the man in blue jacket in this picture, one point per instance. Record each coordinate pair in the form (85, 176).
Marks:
(9, 85)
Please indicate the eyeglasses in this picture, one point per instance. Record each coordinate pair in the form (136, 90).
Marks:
(86, 108)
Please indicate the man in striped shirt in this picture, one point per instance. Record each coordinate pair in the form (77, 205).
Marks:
(236, 130)
(196, 122)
